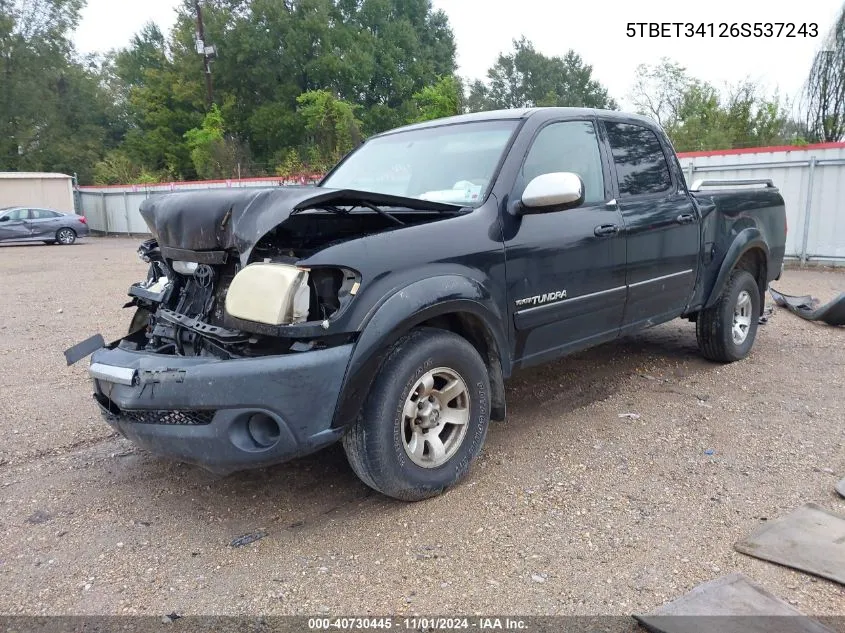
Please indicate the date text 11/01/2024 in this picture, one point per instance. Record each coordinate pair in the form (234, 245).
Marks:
(419, 624)
(722, 29)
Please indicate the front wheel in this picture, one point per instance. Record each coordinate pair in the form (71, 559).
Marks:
(726, 330)
(425, 418)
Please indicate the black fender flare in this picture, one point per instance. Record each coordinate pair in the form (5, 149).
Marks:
(748, 238)
(400, 312)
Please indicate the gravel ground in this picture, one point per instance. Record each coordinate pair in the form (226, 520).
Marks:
(570, 510)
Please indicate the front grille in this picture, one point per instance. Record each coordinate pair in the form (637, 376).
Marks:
(189, 418)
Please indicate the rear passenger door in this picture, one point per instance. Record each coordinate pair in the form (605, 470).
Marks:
(661, 226)
(44, 223)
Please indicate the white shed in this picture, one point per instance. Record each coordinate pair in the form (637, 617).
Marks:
(48, 191)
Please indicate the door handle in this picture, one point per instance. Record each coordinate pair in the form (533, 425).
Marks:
(606, 230)
(685, 218)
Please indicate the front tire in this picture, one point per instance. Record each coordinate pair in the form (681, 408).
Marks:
(425, 418)
(726, 330)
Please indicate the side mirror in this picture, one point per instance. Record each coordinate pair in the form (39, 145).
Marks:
(5, 218)
(552, 192)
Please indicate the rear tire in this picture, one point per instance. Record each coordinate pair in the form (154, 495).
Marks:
(726, 330)
(65, 236)
(425, 418)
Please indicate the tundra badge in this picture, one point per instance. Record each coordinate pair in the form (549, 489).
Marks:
(538, 300)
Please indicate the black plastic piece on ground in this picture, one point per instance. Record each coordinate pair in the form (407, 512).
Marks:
(807, 307)
(83, 349)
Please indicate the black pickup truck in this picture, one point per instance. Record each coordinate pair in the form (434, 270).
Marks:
(387, 306)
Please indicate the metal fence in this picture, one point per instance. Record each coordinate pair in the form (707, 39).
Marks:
(114, 209)
(811, 179)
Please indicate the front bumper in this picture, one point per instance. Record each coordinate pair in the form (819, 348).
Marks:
(223, 415)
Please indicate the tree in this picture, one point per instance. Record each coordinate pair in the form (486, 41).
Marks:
(55, 110)
(331, 125)
(824, 91)
(373, 54)
(697, 116)
(440, 100)
(215, 153)
(659, 90)
(527, 78)
(116, 168)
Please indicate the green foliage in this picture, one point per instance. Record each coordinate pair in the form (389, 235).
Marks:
(204, 142)
(56, 112)
(331, 125)
(298, 83)
(374, 55)
(697, 116)
(527, 78)
(443, 99)
(117, 168)
(291, 164)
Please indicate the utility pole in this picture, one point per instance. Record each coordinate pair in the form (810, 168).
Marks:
(208, 52)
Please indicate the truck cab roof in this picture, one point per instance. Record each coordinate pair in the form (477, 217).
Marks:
(525, 113)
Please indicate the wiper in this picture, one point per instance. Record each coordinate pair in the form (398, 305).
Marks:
(367, 205)
(382, 212)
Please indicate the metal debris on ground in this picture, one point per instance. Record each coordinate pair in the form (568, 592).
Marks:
(807, 307)
(840, 487)
(630, 416)
(807, 539)
(246, 539)
(730, 604)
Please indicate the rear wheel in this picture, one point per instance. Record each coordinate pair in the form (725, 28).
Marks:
(66, 236)
(726, 330)
(425, 418)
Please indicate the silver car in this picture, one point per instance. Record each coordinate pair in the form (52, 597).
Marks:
(26, 224)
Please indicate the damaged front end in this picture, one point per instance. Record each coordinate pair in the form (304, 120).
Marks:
(218, 308)
(227, 277)
(236, 353)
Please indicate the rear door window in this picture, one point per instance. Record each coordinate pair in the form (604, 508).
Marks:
(43, 214)
(641, 166)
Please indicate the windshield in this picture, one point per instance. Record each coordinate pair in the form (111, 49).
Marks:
(451, 163)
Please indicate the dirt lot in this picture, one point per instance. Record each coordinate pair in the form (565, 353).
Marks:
(570, 510)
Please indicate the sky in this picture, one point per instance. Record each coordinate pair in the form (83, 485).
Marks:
(596, 29)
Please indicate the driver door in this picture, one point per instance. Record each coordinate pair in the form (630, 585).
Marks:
(14, 225)
(565, 269)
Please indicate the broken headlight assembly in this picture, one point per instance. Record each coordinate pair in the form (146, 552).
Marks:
(284, 294)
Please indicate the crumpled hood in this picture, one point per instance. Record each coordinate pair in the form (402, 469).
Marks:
(225, 219)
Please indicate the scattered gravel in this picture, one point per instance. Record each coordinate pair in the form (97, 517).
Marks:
(570, 510)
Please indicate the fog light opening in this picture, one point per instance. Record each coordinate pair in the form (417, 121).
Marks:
(263, 430)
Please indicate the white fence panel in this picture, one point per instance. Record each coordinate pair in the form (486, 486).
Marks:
(812, 182)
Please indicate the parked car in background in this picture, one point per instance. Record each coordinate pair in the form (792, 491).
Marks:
(22, 224)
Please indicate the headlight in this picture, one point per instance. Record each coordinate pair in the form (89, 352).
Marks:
(275, 294)
(185, 268)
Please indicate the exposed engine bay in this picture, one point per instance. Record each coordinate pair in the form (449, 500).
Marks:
(181, 308)
(212, 291)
